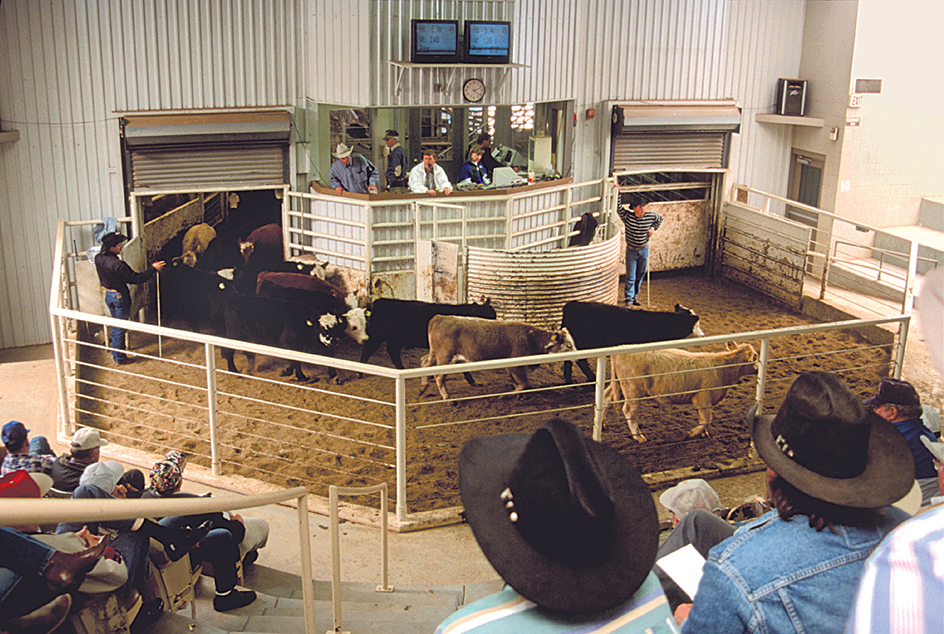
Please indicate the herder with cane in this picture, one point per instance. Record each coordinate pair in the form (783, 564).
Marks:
(640, 225)
(114, 275)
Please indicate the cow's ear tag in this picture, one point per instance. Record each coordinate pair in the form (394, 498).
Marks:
(222, 286)
(309, 323)
(366, 313)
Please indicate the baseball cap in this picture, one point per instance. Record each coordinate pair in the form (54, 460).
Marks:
(20, 484)
(14, 432)
(87, 438)
(104, 475)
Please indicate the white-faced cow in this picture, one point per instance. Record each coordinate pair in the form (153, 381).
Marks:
(283, 324)
(195, 243)
(597, 325)
(676, 376)
(353, 317)
(453, 338)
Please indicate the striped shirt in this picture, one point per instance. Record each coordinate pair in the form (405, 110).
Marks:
(637, 229)
(507, 611)
(902, 586)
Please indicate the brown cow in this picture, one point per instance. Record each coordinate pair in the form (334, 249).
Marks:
(296, 281)
(453, 338)
(196, 240)
(676, 376)
(266, 240)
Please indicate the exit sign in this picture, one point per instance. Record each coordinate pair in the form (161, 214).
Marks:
(855, 101)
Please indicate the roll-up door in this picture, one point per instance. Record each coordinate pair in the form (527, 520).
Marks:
(664, 149)
(672, 134)
(207, 150)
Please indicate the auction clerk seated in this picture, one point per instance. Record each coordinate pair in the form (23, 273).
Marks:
(429, 178)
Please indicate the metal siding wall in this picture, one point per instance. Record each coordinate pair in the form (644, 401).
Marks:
(389, 22)
(683, 50)
(339, 44)
(66, 68)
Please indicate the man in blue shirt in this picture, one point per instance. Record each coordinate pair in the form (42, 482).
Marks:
(832, 467)
(570, 526)
(898, 403)
(396, 162)
(352, 172)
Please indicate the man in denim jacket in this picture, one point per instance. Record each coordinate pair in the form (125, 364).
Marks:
(832, 467)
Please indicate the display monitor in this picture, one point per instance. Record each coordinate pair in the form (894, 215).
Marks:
(487, 42)
(435, 42)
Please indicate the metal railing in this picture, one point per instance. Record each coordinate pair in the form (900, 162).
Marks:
(50, 511)
(830, 230)
(334, 493)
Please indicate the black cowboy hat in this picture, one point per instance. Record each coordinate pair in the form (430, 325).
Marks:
(567, 522)
(112, 239)
(827, 444)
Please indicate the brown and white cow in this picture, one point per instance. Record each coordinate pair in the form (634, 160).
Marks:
(195, 243)
(675, 376)
(453, 338)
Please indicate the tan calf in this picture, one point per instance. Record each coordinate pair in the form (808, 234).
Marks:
(676, 376)
(453, 338)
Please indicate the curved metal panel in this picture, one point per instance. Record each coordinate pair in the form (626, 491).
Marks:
(533, 286)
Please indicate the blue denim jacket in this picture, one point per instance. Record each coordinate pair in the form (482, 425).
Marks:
(775, 576)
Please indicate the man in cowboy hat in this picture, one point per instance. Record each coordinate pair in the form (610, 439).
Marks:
(570, 526)
(396, 162)
(85, 449)
(832, 465)
(898, 403)
(114, 275)
(352, 172)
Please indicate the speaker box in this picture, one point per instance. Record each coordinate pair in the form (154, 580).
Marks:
(791, 97)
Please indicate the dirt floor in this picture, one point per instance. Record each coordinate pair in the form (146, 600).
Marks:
(313, 436)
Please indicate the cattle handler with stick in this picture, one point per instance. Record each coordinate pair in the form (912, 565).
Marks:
(114, 275)
(640, 225)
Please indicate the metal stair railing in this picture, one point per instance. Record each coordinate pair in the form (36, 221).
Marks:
(334, 492)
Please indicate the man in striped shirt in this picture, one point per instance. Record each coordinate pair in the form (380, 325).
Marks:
(640, 225)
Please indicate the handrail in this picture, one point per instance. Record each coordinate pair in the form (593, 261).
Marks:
(46, 511)
(333, 492)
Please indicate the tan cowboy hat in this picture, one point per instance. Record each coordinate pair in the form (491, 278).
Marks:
(342, 151)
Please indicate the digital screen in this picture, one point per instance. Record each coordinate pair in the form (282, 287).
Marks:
(489, 39)
(436, 37)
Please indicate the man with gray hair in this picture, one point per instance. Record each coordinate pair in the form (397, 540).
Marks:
(352, 172)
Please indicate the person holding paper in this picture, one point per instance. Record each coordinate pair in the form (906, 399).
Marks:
(833, 466)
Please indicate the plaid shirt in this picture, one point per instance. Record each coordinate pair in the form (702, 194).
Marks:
(28, 462)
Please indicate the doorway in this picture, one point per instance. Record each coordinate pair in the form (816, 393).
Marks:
(806, 180)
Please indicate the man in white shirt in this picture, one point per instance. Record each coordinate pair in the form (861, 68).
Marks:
(429, 178)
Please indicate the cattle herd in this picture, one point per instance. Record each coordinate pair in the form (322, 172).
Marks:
(248, 292)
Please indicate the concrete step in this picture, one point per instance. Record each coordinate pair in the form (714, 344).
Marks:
(279, 607)
(864, 278)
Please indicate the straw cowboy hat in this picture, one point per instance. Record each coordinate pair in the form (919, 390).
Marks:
(342, 151)
(567, 522)
(827, 444)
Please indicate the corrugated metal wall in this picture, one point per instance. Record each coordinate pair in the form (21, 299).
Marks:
(68, 67)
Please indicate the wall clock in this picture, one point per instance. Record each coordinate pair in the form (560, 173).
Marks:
(473, 90)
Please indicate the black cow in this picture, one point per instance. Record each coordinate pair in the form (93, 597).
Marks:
(597, 325)
(197, 296)
(404, 323)
(354, 318)
(282, 324)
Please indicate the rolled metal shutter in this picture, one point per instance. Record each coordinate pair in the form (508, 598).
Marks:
(200, 165)
(665, 149)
